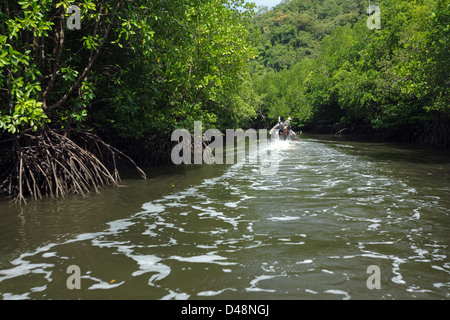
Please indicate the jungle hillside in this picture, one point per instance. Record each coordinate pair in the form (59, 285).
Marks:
(319, 62)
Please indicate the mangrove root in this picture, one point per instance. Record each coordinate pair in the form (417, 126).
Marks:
(50, 164)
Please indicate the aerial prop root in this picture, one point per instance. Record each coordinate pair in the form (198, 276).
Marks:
(50, 164)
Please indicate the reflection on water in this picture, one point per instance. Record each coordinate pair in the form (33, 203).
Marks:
(228, 232)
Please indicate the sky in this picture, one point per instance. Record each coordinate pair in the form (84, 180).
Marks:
(269, 3)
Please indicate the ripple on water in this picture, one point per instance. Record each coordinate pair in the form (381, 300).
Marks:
(311, 230)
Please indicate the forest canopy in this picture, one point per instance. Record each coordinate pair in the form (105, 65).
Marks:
(133, 68)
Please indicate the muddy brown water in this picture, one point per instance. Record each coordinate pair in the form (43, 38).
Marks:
(333, 209)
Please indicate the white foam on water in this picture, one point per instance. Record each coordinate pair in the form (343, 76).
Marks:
(398, 279)
(339, 292)
(151, 207)
(283, 218)
(150, 263)
(39, 289)
(10, 296)
(378, 242)
(373, 226)
(149, 231)
(176, 296)
(206, 258)
(255, 282)
(440, 269)
(86, 236)
(24, 267)
(101, 285)
(420, 253)
(49, 254)
(311, 291)
(327, 271)
(212, 293)
(176, 204)
(441, 284)
(119, 225)
(232, 204)
(416, 215)
(201, 246)
(417, 289)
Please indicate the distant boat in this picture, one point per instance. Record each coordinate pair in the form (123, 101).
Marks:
(283, 133)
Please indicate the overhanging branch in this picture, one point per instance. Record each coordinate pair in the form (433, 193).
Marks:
(88, 68)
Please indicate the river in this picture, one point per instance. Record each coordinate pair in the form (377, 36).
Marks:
(311, 231)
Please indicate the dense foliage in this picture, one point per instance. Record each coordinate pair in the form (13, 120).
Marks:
(137, 68)
(128, 71)
(321, 64)
(133, 69)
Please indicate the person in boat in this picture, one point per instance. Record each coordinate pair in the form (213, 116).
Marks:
(285, 130)
(280, 125)
(287, 125)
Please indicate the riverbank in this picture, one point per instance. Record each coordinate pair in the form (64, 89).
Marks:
(108, 155)
(408, 135)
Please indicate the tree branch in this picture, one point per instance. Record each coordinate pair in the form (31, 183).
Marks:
(58, 57)
(88, 68)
